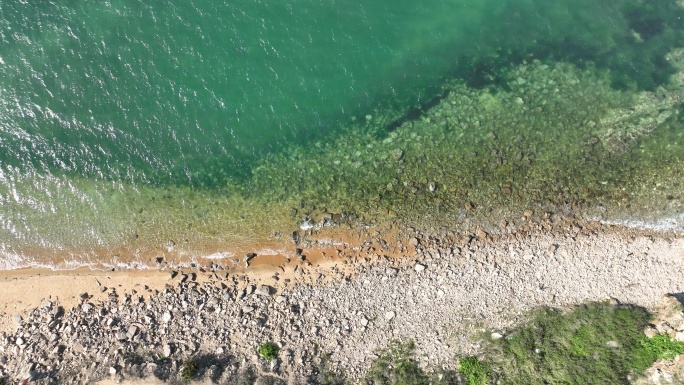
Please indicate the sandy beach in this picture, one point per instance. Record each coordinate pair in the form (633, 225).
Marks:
(25, 289)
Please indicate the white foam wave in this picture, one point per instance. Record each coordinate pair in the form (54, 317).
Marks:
(14, 261)
(220, 255)
(10, 261)
(270, 252)
(670, 223)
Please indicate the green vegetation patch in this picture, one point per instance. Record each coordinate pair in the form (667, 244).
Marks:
(593, 344)
(268, 351)
(475, 371)
(397, 365)
(661, 346)
(188, 370)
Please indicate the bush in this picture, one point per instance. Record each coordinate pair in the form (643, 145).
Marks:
(268, 351)
(475, 372)
(188, 370)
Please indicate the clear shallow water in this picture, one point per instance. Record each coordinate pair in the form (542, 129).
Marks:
(129, 129)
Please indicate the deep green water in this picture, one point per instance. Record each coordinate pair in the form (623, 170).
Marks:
(175, 122)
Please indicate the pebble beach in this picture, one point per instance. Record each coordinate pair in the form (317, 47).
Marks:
(442, 293)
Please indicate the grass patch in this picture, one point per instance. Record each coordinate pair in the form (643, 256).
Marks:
(661, 346)
(268, 351)
(595, 343)
(573, 347)
(475, 371)
(397, 365)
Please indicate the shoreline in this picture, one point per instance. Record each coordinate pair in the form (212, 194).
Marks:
(346, 305)
(480, 169)
(331, 248)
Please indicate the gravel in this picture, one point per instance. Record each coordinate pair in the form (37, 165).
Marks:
(435, 298)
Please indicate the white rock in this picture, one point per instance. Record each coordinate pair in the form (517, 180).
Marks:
(389, 315)
(679, 336)
(659, 374)
(132, 331)
(496, 336)
(264, 290)
(306, 225)
(419, 267)
(274, 365)
(112, 370)
(166, 317)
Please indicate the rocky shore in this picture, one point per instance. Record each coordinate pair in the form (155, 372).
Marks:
(442, 296)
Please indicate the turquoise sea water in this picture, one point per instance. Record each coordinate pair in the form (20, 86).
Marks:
(129, 125)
